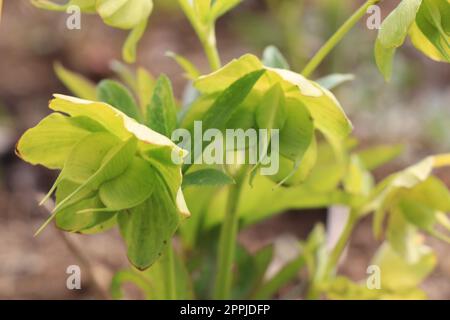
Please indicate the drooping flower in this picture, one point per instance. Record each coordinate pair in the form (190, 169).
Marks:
(113, 169)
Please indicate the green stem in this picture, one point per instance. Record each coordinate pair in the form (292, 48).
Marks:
(209, 44)
(336, 38)
(227, 241)
(170, 279)
(338, 249)
(205, 32)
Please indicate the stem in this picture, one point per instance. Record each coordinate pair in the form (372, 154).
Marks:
(336, 253)
(170, 279)
(336, 38)
(227, 241)
(210, 46)
(205, 32)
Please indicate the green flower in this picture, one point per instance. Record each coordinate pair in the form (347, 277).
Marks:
(427, 22)
(122, 14)
(113, 169)
(280, 99)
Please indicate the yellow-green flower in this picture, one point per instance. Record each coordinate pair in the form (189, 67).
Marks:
(113, 169)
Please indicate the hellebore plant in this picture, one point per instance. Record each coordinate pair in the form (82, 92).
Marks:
(119, 165)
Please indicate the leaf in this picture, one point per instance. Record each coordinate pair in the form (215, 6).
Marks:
(418, 214)
(131, 188)
(431, 21)
(431, 192)
(125, 74)
(158, 273)
(148, 227)
(113, 121)
(87, 155)
(76, 83)
(191, 71)
(161, 114)
(130, 46)
(334, 80)
(227, 102)
(384, 58)
(145, 87)
(207, 177)
(271, 113)
(392, 34)
(377, 156)
(288, 272)
(250, 270)
(298, 131)
(113, 164)
(395, 27)
(69, 219)
(124, 14)
(357, 180)
(130, 276)
(50, 142)
(117, 95)
(272, 57)
(325, 110)
(398, 274)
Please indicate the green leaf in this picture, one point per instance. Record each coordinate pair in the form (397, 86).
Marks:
(130, 276)
(145, 86)
(431, 192)
(207, 177)
(398, 274)
(228, 101)
(87, 155)
(324, 108)
(158, 274)
(393, 32)
(334, 80)
(395, 27)
(117, 95)
(124, 14)
(377, 156)
(50, 142)
(432, 24)
(161, 114)
(148, 227)
(113, 164)
(384, 58)
(76, 83)
(357, 180)
(287, 273)
(70, 219)
(131, 188)
(250, 270)
(191, 71)
(113, 121)
(130, 46)
(418, 214)
(272, 57)
(271, 113)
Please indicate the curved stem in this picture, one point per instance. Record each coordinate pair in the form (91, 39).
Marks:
(227, 241)
(336, 38)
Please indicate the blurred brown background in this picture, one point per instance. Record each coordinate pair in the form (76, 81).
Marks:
(413, 109)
